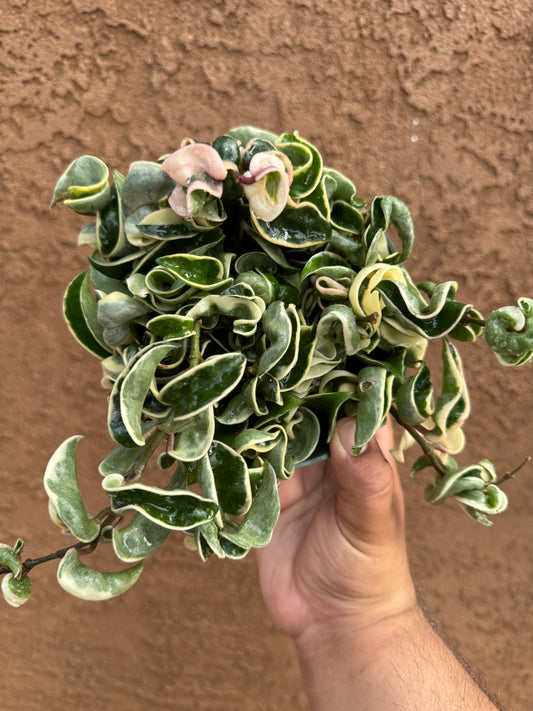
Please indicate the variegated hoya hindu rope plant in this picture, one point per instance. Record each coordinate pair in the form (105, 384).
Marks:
(242, 299)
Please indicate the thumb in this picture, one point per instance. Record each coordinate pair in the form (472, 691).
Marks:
(369, 496)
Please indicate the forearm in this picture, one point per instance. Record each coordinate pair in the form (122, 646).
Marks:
(400, 663)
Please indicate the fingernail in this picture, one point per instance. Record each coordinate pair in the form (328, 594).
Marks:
(345, 432)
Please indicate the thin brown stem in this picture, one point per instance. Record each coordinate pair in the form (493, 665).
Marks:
(149, 448)
(511, 474)
(370, 318)
(108, 518)
(425, 446)
(473, 320)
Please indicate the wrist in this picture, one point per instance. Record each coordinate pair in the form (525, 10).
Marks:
(358, 635)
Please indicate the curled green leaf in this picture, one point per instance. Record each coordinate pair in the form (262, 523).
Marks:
(203, 385)
(16, 592)
(177, 509)
(509, 333)
(374, 395)
(11, 559)
(86, 583)
(84, 186)
(61, 485)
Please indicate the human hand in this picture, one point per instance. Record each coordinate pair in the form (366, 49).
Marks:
(338, 550)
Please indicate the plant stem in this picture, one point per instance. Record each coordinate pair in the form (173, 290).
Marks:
(30, 563)
(109, 518)
(425, 446)
(149, 448)
(195, 355)
(511, 474)
(473, 320)
(371, 318)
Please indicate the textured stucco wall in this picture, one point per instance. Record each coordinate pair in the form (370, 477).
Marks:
(426, 99)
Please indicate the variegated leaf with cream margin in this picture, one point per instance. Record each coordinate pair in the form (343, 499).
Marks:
(86, 583)
(61, 485)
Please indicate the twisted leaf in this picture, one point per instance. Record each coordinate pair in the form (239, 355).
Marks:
(61, 485)
(80, 312)
(87, 584)
(203, 385)
(84, 186)
(177, 509)
(255, 531)
(135, 387)
(374, 394)
(509, 333)
(16, 592)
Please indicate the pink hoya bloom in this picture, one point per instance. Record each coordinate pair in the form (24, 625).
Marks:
(266, 184)
(194, 167)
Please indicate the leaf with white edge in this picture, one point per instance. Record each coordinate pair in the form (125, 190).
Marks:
(119, 460)
(297, 227)
(193, 437)
(346, 217)
(61, 485)
(203, 385)
(84, 186)
(115, 422)
(338, 327)
(117, 308)
(468, 332)
(373, 392)
(472, 487)
(139, 539)
(288, 360)
(453, 405)
(142, 537)
(201, 272)
(237, 411)
(327, 407)
(171, 326)
(135, 387)
(262, 284)
(277, 328)
(145, 184)
(80, 312)
(433, 320)
(10, 558)
(245, 311)
(177, 509)
(231, 550)
(306, 161)
(300, 370)
(207, 540)
(256, 529)
(201, 472)
(252, 442)
(303, 433)
(276, 456)
(16, 592)
(231, 477)
(85, 583)
(110, 236)
(509, 333)
(386, 211)
(414, 398)
(117, 268)
(480, 504)
(244, 134)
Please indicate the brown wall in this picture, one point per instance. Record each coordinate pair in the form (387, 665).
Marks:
(426, 99)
